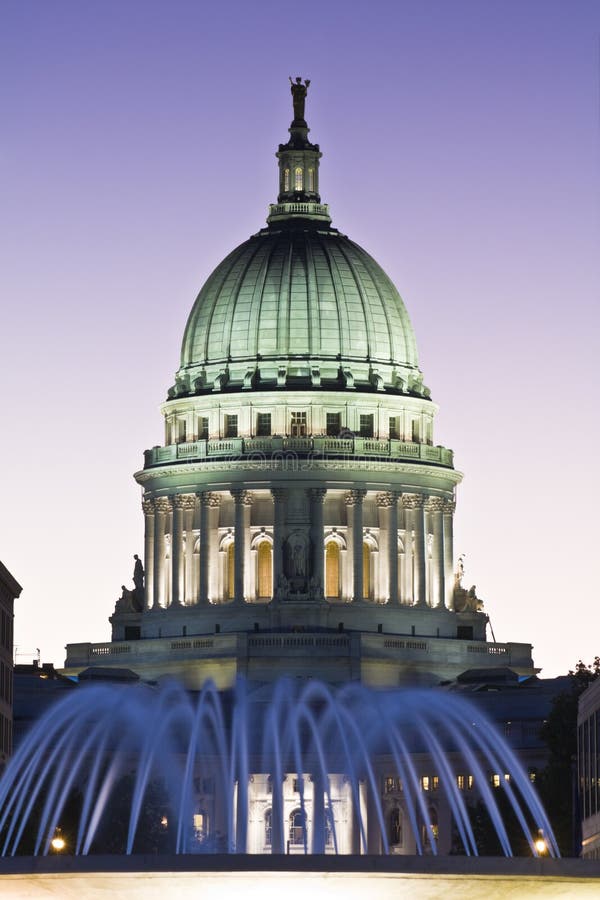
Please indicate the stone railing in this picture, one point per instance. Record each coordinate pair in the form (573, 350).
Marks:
(314, 210)
(128, 654)
(265, 447)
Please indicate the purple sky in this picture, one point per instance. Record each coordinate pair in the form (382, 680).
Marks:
(461, 149)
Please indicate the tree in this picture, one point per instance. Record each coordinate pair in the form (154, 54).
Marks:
(557, 783)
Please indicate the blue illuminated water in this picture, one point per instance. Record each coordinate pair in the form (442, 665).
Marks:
(93, 737)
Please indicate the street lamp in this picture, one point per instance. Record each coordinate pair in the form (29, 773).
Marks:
(58, 842)
(540, 844)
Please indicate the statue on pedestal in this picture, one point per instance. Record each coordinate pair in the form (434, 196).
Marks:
(299, 91)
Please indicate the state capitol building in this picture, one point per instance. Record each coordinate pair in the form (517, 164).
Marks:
(299, 517)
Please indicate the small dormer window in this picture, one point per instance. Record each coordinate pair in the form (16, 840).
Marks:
(286, 179)
(298, 179)
(311, 179)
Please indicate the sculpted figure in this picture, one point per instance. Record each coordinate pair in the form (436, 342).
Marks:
(138, 574)
(299, 96)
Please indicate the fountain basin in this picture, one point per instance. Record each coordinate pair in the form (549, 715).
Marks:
(271, 877)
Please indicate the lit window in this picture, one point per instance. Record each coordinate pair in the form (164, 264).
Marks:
(366, 570)
(507, 776)
(286, 179)
(334, 424)
(366, 426)
(230, 571)
(299, 426)
(203, 429)
(231, 426)
(311, 179)
(495, 779)
(532, 775)
(200, 826)
(393, 785)
(435, 783)
(263, 424)
(394, 432)
(460, 782)
(332, 570)
(298, 179)
(425, 784)
(469, 782)
(265, 569)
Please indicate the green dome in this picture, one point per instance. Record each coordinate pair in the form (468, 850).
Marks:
(298, 302)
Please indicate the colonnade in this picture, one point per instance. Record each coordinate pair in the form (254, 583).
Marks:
(427, 544)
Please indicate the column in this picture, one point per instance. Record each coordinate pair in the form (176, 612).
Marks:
(449, 507)
(212, 542)
(388, 546)
(241, 500)
(248, 593)
(348, 574)
(188, 527)
(279, 497)
(416, 503)
(436, 508)
(318, 813)
(161, 510)
(179, 503)
(357, 540)
(148, 507)
(205, 502)
(317, 536)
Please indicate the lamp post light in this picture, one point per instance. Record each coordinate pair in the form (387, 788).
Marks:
(540, 844)
(58, 842)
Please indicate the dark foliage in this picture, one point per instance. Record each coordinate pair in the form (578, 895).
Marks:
(557, 782)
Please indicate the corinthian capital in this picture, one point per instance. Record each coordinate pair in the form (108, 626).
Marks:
(209, 499)
(385, 499)
(148, 507)
(353, 497)
(162, 506)
(317, 494)
(449, 507)
(435, 504)
(413, 501)
(184, 501)
(241, 496)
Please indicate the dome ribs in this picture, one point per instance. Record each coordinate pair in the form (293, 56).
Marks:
(234, 305)
(367, 310)
(340, 299)
(196, 336)
(259, 300)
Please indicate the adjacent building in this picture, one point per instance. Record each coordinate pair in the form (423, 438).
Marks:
(10, 589)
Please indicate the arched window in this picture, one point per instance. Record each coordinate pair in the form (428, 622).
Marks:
(297, 833)
(366, 571)
(311, 179)
(230, 592)
(332, 570)
(286, 179)
(265, 570)
(268, 827)
(298, 179)
(430, 830)
(396, 826)
(329, 826)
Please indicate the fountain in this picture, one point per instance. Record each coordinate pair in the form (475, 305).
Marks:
(332, 746)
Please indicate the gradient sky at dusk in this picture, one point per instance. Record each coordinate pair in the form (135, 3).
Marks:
(461, 148)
